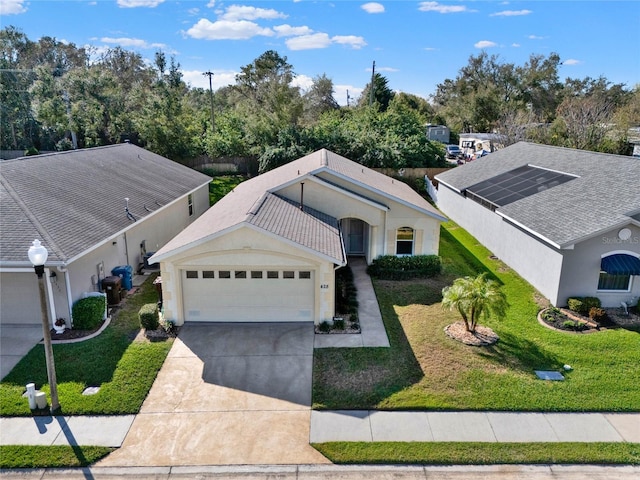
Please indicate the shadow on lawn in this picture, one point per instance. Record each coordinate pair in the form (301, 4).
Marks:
(356, 378)
(520, 354)
(458, 261)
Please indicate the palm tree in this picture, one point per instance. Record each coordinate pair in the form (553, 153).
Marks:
(475, 297)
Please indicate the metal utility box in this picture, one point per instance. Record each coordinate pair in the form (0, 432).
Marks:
(112, 286)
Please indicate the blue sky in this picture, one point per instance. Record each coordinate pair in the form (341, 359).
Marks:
(414, 44)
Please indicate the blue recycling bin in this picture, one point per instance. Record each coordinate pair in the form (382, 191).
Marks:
(125, 272)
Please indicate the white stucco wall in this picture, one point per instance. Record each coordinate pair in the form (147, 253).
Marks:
(246, 248)
(539, 264)
(582, 268)
(383, 223)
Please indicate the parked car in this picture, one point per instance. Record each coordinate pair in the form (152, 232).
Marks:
(453, 151)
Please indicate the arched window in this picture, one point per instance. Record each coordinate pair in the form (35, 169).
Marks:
(616, 270)
(404, 241)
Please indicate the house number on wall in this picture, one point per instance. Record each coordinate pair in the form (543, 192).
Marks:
(324, 285)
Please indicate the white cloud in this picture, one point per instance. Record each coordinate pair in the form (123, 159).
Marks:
(12, 7)
(431, 49)
(221, 78)
(572, 61)
(511, 13)
(485, 44)
(139, 3)
(289, 31)
(308, 42)
(436, 7)
(211, 4)
(227, 30)
(386, 69)
(132, 42)
(373, 7)
(516, 45)
(355, 42)
(193, 11)
(304, 82)
(243, 12)
(340, 93)
(535, 37)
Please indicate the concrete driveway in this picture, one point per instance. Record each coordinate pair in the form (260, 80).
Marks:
(16, 341)
(228, 394)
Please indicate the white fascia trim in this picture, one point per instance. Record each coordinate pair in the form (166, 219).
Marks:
(187, 246)
(355, 196)
(448, 185)
(623, 223)
(312, 178)
(527, 229)
(384, 194)
(323, 256)
(124, 230)
(16, 270)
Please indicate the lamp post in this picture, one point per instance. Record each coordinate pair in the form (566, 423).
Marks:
(38, 256)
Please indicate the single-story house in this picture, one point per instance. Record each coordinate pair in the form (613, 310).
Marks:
(93, 209)
(438, 133)
(568, 221)
(269, 249)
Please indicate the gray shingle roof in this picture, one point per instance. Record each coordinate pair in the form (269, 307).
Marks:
(308, 227)
(603, 196)
(75, 200)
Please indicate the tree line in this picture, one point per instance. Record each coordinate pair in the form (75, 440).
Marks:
(58, 96)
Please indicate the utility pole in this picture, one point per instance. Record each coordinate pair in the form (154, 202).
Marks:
(373, 74)
(348, 98)
(210, 75)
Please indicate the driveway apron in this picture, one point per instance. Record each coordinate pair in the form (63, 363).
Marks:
(228, 394)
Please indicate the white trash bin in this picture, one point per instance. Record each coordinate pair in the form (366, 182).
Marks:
(41, 400)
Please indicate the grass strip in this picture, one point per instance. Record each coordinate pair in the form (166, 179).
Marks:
(476, 453)
(46, 456)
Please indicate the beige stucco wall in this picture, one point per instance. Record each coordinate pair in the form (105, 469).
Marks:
(384, 217)
(246, 248)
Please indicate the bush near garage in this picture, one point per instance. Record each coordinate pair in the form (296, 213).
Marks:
(390, 267)
(148, 315)
(88, 313)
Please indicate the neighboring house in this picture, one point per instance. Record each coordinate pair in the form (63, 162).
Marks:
(93, 209)
(568, 221)
(438, 133)
(269, 249)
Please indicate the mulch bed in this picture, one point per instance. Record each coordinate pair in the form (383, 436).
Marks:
(349, 327)
(73, 334)
(482, 337)
(558, 318)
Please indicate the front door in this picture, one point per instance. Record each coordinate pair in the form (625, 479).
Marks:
(355, 232)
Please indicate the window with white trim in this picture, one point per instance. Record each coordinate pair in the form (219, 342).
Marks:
(404, 241)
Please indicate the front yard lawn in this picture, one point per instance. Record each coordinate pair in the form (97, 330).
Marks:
(122, 367)
(425, 369)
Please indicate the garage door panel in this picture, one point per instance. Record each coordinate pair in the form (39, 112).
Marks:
(248, 299)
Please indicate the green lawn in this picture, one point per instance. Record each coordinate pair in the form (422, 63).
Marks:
(470, 453)
(222, 185)
(425, 369)
(57, 456)
(122, 367)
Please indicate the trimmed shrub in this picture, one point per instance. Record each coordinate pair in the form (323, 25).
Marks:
(338, 323)
(597, 314)
(583, 305)
(148, 315)
(390, 267)
(88, 313)
(324, 327)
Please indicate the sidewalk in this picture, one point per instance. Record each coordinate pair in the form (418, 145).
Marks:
(362, 426)
(382, 426)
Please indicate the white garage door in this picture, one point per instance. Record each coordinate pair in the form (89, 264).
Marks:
(248, 295)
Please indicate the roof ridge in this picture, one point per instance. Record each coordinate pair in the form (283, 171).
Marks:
(33, 219)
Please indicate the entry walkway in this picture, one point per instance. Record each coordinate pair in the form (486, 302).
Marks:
(373, 333)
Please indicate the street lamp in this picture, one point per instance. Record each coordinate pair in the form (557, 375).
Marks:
(38, 256)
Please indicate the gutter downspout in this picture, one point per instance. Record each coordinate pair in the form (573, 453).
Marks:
(67, 284)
